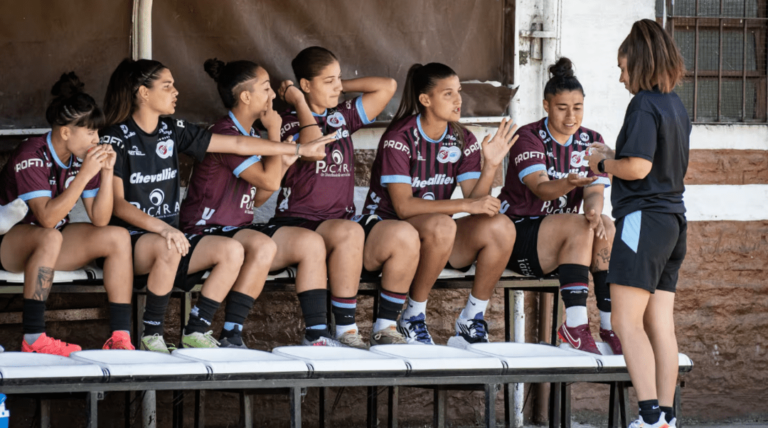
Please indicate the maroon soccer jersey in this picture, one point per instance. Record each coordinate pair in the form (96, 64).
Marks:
(536, 150)
(325, 189)
(432, 167)
(34, 170)
(217, 195)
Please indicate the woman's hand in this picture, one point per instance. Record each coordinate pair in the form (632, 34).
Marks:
(110, 158)
(316, 148)
(488, 205)
(94, 161)
(272, 122)
(289, 160)
(174, 238)
(495, 149)
(289, 93)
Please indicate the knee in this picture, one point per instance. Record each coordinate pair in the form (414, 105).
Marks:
(118, 238)
(50, 238)
(579, 231)
(231, 253)
(164, 256)
(405, 239)
(312, 246)
(349, 236)
(260, 251)
(501, 232)
(610, 228)
(440, 231)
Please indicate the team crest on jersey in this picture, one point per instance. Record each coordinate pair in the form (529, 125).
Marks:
(542, 134)
(577, 159)
(127, 132)
(68, 182)
(584, 137)
(164, 149)
(449, 154)
(337, 157)
(336, 120)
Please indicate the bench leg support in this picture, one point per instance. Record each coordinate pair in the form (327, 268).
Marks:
(325, 407)
(555, 397)
(45, 413)
(246, 410)
(566, 406)
(439, 408)
(149, 410)
(678, 406)
(93, 408)
(490, 405)
(613, 414)
(200, 408)
(295, 402)
(394, 395)
(372, 419)
(624, 402)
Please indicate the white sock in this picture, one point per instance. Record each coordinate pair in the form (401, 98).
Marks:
(414, 308)
(474, 305)
(11, 214)
(382, 324)
(341, 329)
(605, 320)
(576, 315)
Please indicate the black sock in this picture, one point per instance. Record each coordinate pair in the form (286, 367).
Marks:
(119, 317)
(602, 290)
(313, 306)
(33, 316)
(649, 410)
(669, 413)
(201, 316)
(574, 280)
(238, 307)
(343, 309)
(154, 313)
(390, 305)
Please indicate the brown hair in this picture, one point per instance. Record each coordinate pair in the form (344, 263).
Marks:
(653, 58)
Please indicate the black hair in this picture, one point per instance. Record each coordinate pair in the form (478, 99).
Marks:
(128, 77)
(420, 80)
(311, 61)
(228, 76)
(72, 106)
(562, 78)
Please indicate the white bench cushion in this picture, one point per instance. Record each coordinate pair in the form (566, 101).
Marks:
(524, 356)
(90, 272)
(439, 358)
(26, 365)
(123, 363)
(332, 359)
(611, 361)
(228, 361)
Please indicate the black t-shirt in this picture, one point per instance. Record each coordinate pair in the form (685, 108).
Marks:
(656, 128)
(148, 164)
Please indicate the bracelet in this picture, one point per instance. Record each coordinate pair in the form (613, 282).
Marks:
(298, 145)
(285, 91)
(307, 126)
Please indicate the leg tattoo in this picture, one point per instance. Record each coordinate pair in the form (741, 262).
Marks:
(603, 256)
(43, 284)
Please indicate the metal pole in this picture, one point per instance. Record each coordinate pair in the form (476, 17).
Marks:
(519, 332)
(141, 42)
(149, 410)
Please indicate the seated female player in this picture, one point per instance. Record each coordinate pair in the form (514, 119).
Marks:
(546, 182)
(225, 189)
(51, 173)
(140, 99)
(421, 157)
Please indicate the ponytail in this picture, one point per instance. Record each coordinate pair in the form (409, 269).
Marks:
(128, 77)
(229, 76)
(72, 106)
(562, 78)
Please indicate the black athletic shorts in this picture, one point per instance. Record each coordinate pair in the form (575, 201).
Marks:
(648, 250)
(182, 280)
(368, 221)
(278, 222)
(525, 254)
(231, 231)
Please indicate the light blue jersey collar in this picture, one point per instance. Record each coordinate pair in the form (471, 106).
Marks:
(55, 156)
(421, 131)
(240, 127)
(567, 143)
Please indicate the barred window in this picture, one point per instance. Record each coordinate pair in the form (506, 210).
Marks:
(723, 43)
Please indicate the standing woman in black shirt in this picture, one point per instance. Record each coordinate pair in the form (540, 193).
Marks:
(648, 167)
(140, 98)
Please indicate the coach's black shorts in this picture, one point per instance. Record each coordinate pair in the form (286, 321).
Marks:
(182, 280)
(525, 254)
(231, 231)
(648, 250)
(368, 221)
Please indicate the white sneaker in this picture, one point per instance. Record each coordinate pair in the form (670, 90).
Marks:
(322, 341)
(640, 423)
(415, 331)
(469, 332)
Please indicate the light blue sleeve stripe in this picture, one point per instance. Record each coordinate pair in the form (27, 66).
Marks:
(362, 113)
(395, 179)
(467, 176)
(246, 163)
(601, 180)
(530, 170)
(36, 194)
(90, 193)
(630, 231)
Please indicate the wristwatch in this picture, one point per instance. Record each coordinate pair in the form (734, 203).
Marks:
(601, 166)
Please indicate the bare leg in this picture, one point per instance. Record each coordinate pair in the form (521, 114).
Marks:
(659, 324)
(152, 256)
(259, 253)
(225, 256)
(34, 251)
(437, 233)
(306, 249)
(393, 247)
(344, 240)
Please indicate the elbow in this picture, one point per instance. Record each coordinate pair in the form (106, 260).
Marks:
(402, 212)
(47, 223)
(271, 186)
(100, 222)
(391, 86)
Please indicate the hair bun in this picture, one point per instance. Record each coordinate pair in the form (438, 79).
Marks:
(214, 67)
(562, 68)
(69, 84)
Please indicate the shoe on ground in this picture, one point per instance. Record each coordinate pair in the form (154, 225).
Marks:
(322, 341)
(232, 339)
(119, 340)
(154, 343)
(672, 423)
(580, 337)
(469, 332)
(609, 337)
(387, 336)
(415, 330)
(48, 345)
(352, 339)
(199, 340)
(640, 423)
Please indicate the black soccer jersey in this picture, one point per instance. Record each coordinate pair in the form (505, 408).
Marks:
(148, 164)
